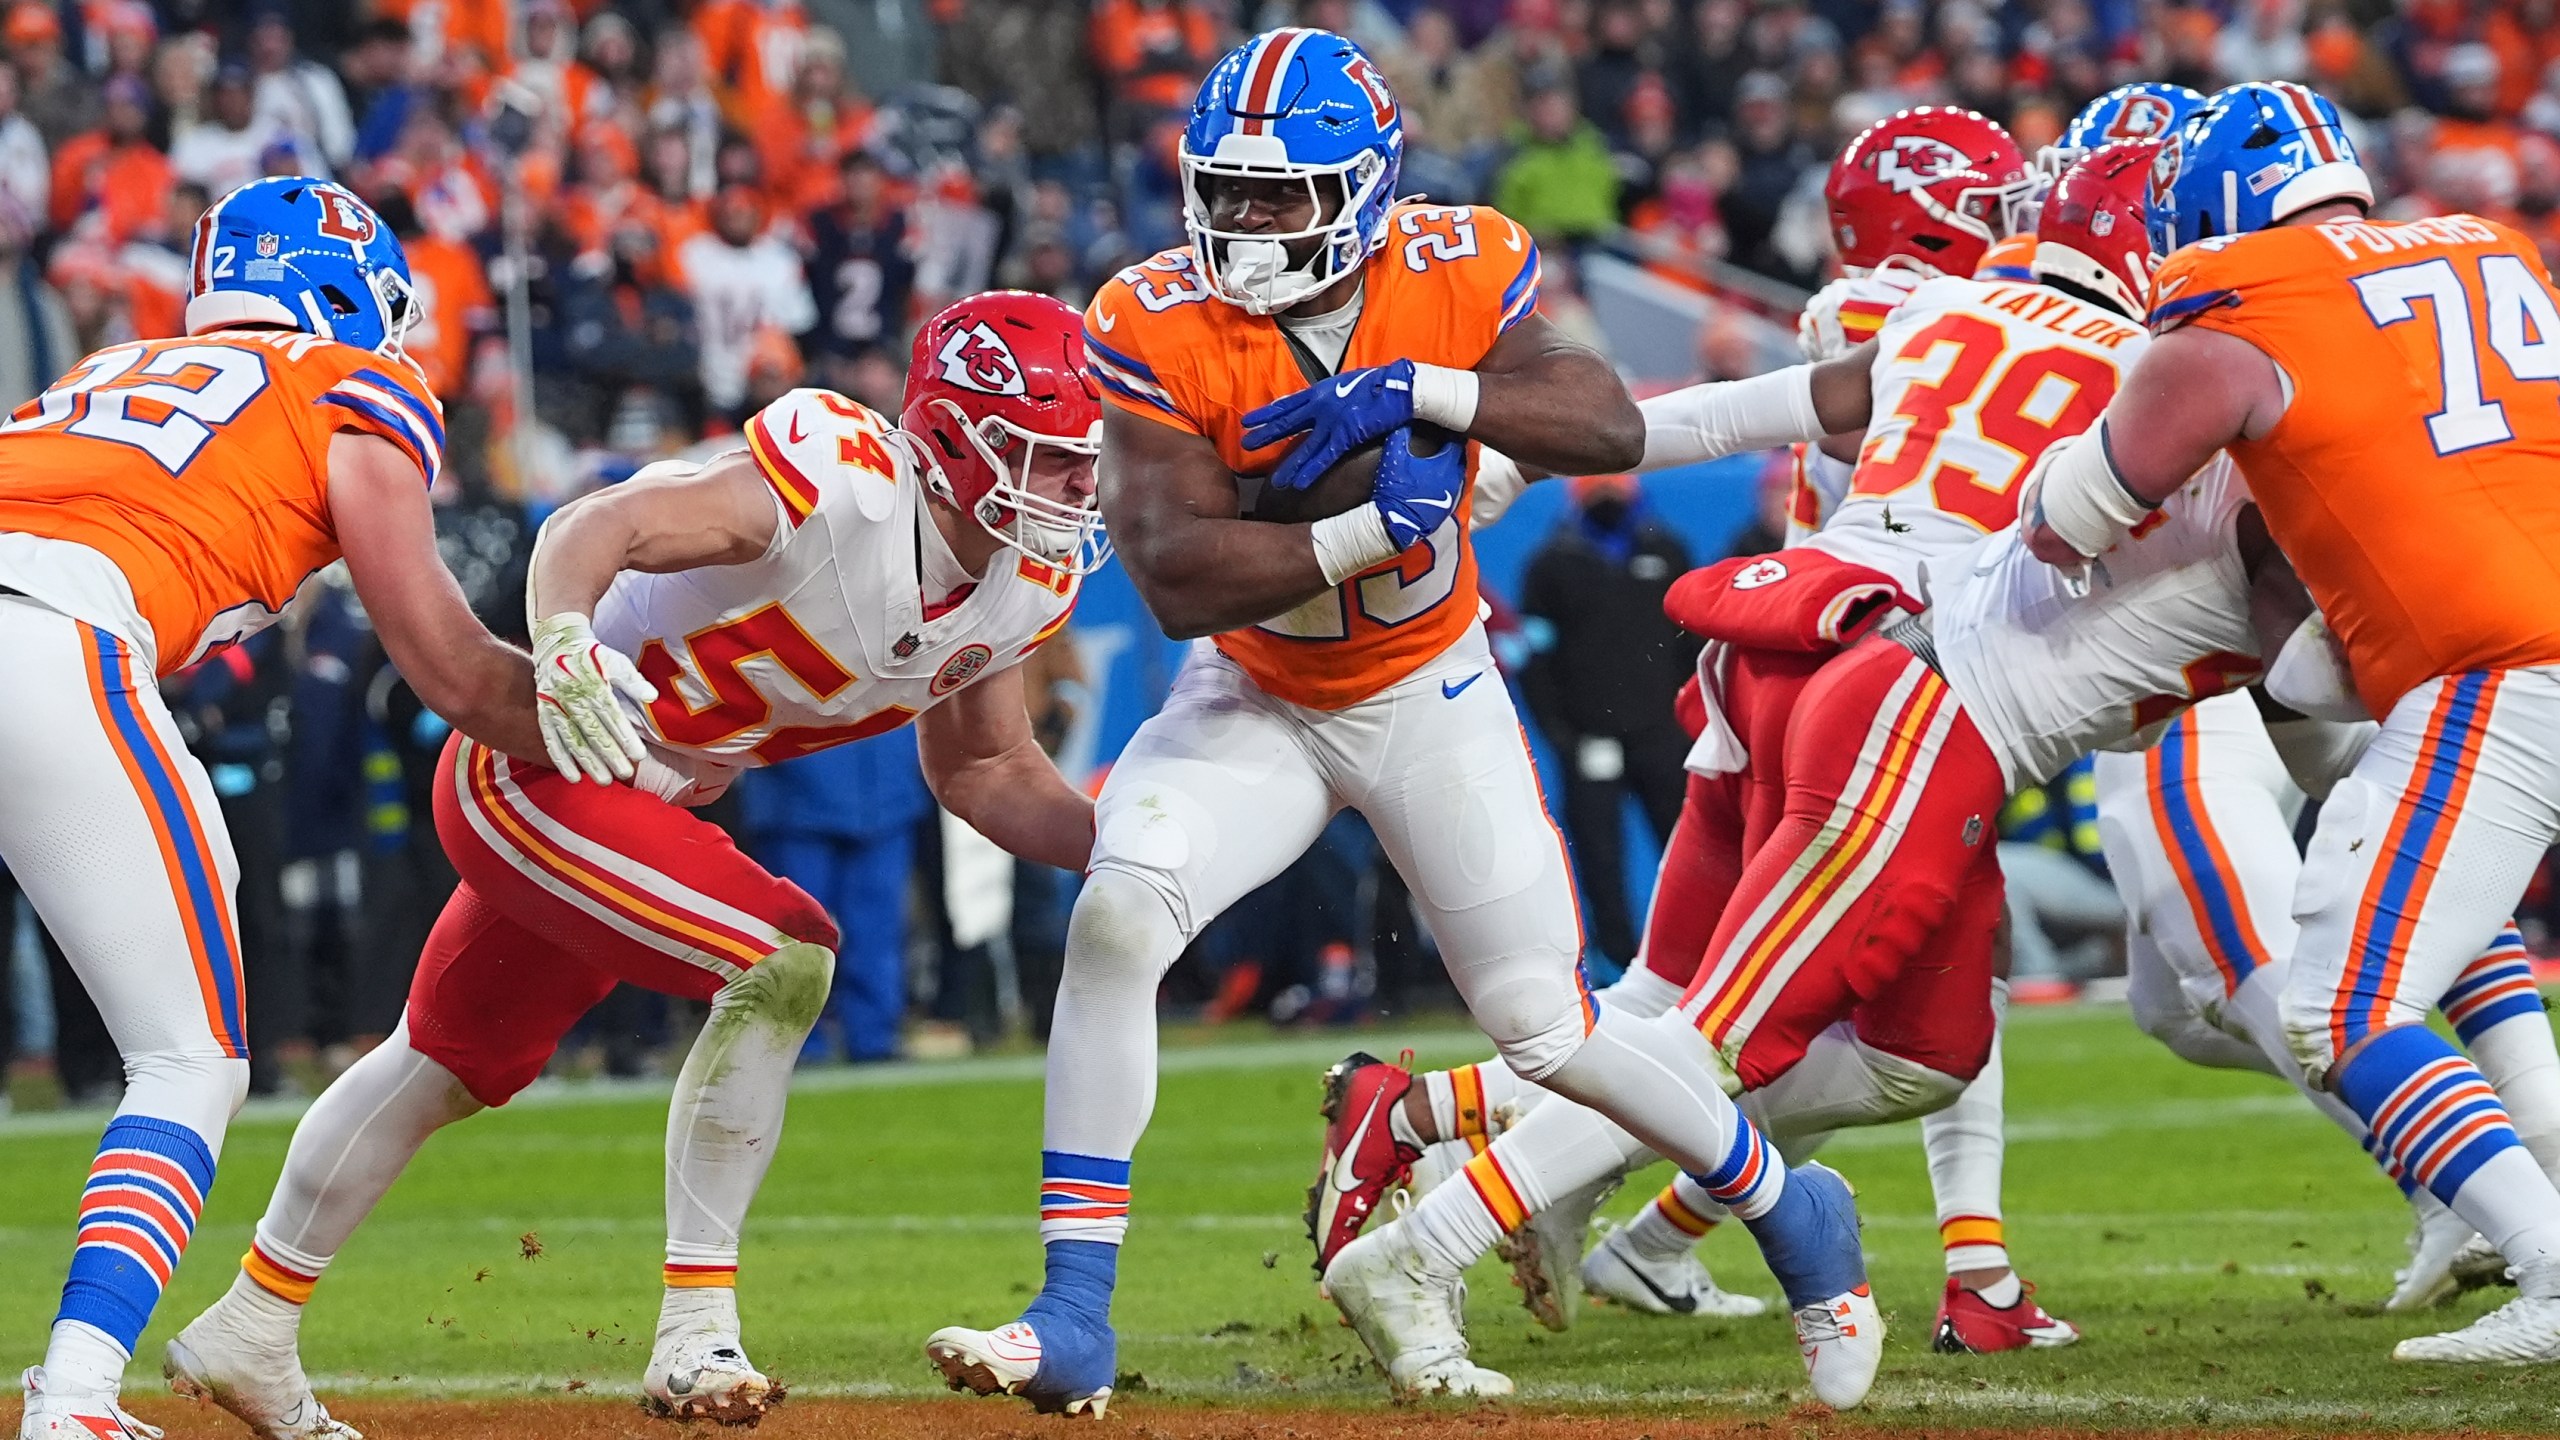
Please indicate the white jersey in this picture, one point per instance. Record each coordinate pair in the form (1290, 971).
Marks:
(1973, 379)
(2048, 676)
(1841, 316)
(825, 638)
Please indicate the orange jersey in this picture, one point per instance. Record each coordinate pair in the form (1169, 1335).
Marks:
(199, 469)
(2011, 258)
(2414, 479)
(1445, 287)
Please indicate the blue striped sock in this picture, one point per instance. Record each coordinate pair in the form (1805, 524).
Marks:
(1083, 1197)
(145, 1190)
(2432, 1116)
(2493, 989)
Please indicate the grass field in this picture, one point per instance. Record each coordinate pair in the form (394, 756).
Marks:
(2208, 1232)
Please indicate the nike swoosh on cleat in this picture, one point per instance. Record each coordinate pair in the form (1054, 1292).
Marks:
(1342, 1181)
(1451, 690)
(1686, 1304)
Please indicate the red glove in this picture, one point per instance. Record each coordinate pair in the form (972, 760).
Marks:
(1801, 599)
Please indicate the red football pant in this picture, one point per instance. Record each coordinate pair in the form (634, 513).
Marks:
(1724, 819)
(1878, 893)
(567, 889)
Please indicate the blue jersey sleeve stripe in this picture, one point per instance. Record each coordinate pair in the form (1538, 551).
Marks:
(424, 403)
(1117, 387)
(1524, 284)
(389, 426)
(2191, 306)
(1124, 362)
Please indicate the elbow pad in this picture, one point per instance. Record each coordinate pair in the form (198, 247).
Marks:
(1730, 417)
(2075, 489)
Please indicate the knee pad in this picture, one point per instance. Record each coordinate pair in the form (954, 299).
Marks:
(1907, 1089)
(786, 990)
(1536, 1017)
(200, 1089)
(1125, 916)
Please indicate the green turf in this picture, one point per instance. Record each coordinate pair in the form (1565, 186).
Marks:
(2205, 1228)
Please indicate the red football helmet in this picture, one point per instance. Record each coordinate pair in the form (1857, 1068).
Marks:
(2093, 232)
(992, 380)
(1932, 186)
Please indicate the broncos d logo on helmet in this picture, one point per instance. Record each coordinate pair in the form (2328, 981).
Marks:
(976, 358)
(2143, 117)
(1918, 161)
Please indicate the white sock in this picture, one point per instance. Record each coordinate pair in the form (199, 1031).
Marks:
(81, 1359)
(1640, 993)
(351, 1145)
(1463, 1101)
(725, 1120)
(690, 1310)
(1967, 1147)
(2510, 1201)
(1674, 1220)
(1656, 1079)
(2003, 1292)
(1560, 1148)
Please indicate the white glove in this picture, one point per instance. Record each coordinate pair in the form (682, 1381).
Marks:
(578, 685)
(1498, 483)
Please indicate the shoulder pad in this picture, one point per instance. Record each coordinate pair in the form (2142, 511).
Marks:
(815, 445)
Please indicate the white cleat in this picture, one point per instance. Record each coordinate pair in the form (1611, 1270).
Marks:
(51, 1416)
(1412, 1322)
(1545, 1254)
(2428, 1279)
(1842, 1340)
(2479, 1265)
(1614, 1271)
(247, 1363)
(2524, 1331)
(705, 1375)
(1003, 1361)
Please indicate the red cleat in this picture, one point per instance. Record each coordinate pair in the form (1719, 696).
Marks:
(1971, 1325)
(1362, 1157)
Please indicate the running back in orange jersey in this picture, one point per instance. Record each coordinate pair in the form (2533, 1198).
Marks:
(198, 469)
(2414, 479)
(1444, 288)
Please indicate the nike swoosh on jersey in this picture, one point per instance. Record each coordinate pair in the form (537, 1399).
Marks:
(1342, 1180)
(1452, 689)
(1104, 321)
(797, 434)
(1511, 237)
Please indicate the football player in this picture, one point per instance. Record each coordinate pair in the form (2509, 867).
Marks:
(2389, 392)
(835, 579)
(162, 500)
(1311, 315)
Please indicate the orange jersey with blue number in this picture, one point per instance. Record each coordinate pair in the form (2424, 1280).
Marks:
(2414, 479)
(199, 468)
(1446, 285)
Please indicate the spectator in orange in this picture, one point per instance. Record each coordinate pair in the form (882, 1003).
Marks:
(681, 100)
(667, 169)
(55, 95)
(123, 32)
(2348, 70)
(805, 134)
(571, 94)
(2471, 121)
(1152, 54)
(2526, 36)
(430, 166)
(608, 193)
(753, 48)
(153, 266)
(441, 25)
(454, 302)
(111, 182)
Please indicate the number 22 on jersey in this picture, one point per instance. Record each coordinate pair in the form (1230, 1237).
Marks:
(166, 406)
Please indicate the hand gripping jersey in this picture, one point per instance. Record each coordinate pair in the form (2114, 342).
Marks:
(828, 637)
(2047, 676)
(1445, 287)
(2415, 477)
(176, 492)
(1973, 379)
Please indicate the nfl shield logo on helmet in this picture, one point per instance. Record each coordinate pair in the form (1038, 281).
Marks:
(976, 358)
(268, 245)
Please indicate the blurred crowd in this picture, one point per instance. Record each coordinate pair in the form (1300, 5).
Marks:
(633, 223)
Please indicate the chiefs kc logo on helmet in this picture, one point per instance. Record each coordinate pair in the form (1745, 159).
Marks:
(976, 358)
(1918, 161)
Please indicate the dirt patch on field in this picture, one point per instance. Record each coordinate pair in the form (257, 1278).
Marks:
(839, 1419)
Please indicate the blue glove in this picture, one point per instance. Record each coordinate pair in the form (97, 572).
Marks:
(1338, 415)
(1415, 493)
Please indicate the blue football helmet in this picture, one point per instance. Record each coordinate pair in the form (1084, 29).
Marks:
(2254, 155)
(2144, 110)
(1303, 105)
(303, 253)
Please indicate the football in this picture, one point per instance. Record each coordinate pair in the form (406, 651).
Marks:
(1339, 489)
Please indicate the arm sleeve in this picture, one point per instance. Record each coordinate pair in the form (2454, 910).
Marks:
(388, 400)
(1729, 417)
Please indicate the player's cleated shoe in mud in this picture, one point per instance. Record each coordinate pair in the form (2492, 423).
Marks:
(1971, 1325)
(1810, 1239)
(1413, 1322)
(248, 1364)
(1362, 1157)
(2524, 1331)
(52, 1415)
(2428, 1279)
(1071, 1376)
(1615, 1271)
(2478, 1265)
(1545, 1254)
(705, 1375)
